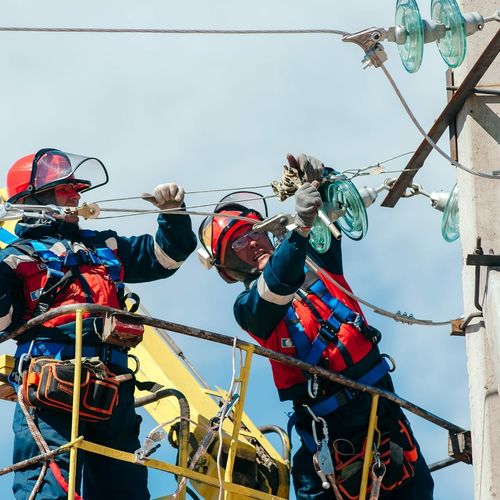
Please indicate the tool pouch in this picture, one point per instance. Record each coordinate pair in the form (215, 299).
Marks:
(48, 383)
(397, 451)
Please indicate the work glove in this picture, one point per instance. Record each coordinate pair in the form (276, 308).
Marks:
(307, 203)
(165, 196)
(311, 168)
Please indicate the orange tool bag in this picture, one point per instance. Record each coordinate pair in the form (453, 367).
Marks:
(48, 383)
(397, 451)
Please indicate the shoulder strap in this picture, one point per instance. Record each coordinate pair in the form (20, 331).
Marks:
(6, 237)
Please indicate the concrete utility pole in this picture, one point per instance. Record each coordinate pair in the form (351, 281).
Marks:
(478, 131)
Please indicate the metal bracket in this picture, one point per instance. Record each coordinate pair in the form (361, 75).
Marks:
(460, 446)
(488, 260)
(369, 41)
(276, 225)
(458, 326)
(478, 259)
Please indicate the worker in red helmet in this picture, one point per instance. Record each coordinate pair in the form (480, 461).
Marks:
(53, 263)
(235, 213)
(289, 309)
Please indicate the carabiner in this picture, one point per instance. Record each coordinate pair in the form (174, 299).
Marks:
(312, 386)
(391, 359)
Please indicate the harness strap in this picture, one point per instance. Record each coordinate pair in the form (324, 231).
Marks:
(106, 353)
(55, 283)
(340, 311)
(332, 403)
(83, 282)
(7, 237)
(311, 352)
(308, 351)
(57, 279)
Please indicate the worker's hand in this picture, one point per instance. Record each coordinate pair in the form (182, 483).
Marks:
(311, 168)
(307, 203)
(165, 196)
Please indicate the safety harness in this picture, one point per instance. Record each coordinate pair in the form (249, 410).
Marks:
(61, 269)
(312, 351)
(57, 277)
(395, 451)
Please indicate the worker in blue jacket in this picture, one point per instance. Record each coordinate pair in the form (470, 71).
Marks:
(291, 310)
(54, 263)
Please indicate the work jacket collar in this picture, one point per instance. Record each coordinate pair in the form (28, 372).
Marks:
(30, 229)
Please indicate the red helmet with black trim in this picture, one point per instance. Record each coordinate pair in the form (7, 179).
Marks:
(49, 168)
(236, 213)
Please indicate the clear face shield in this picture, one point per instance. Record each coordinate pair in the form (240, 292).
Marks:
(52, 168)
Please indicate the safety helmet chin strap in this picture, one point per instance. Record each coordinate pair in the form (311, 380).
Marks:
(236, 269)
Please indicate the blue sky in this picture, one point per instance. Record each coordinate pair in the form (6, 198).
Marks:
(223, 111)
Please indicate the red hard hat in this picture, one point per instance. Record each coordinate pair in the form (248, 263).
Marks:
(19, 175)
(39, 172)
(216, 231)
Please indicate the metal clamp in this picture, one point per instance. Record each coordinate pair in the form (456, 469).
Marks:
(369, 40)
(460, 446)
(412, 190)
(276, 225)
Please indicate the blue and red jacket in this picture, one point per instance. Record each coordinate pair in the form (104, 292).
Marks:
(94, 264)
(277, 307)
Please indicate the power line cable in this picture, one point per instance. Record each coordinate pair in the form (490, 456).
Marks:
(426, 136)
(399, 316)
(203, 191)
(168, 31)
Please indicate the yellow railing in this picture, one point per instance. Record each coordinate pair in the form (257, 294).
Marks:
(250, 349)
(227, 485)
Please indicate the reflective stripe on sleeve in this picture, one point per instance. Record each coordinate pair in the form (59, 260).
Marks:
(6, 320)
(112, 243)
(270, 296)
(165, 260)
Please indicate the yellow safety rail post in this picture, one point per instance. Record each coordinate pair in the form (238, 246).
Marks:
(238, 413)
(75, 416)
(372, 422)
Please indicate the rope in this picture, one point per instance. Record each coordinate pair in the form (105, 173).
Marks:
(39, 481)
(39, 440)
(155, 31)
(223, 416)
(44, 449)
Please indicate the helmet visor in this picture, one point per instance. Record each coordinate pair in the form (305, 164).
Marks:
(52, 167)
(247, 199)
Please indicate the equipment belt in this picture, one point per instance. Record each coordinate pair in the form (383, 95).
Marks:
(106, 353)
(332, 403)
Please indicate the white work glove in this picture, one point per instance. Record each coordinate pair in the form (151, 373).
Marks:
(307, 203)
(165, 196)
(311, 168)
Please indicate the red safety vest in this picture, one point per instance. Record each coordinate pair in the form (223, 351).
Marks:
(89, 275)
(351, 345)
